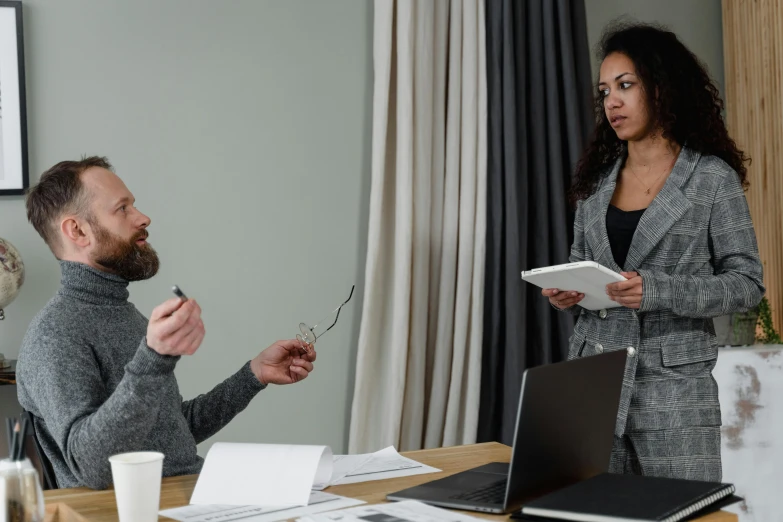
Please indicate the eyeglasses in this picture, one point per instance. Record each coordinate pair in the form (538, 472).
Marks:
(308, 334)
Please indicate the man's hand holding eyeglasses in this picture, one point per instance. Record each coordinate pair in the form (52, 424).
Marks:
(283, 363)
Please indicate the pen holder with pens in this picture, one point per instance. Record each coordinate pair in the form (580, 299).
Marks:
(21, 495)
(20, 492)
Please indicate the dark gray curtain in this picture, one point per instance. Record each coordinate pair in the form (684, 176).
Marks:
(539, 117)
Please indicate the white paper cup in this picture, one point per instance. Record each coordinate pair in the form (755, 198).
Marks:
(137, 485)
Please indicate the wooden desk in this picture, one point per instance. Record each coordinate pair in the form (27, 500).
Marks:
(86, 505)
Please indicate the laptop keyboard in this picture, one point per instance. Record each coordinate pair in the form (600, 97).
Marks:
(494, 493)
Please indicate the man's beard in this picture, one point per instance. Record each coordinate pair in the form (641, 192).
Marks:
(125, 258)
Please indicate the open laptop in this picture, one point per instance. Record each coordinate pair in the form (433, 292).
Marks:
(564, 434)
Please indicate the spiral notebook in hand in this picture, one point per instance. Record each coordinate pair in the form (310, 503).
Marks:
(628, 498)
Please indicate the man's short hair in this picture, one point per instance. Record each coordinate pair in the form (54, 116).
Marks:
(60, 191)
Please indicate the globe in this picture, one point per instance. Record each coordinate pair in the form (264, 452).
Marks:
(11, 274)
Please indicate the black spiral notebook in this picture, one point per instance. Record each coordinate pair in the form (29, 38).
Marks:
(628, 498)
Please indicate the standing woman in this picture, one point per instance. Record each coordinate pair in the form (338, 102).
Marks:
(659, 198)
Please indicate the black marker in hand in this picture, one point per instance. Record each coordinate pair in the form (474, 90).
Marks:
(179, 293)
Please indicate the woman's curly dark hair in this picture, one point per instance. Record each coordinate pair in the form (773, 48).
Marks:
(687, 107)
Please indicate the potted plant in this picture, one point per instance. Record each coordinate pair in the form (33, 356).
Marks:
(754, 326)
(767, 334)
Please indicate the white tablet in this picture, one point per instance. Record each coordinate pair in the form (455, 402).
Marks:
(586, 277)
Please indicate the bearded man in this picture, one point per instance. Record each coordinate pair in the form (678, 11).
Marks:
(95, 374)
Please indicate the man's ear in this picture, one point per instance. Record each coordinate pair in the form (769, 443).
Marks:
(75, 231)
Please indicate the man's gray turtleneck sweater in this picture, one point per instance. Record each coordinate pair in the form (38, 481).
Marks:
(96, 389)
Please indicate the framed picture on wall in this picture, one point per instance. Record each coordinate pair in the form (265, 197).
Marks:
(14, 178)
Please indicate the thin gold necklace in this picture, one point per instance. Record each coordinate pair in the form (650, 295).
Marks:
(647, 191)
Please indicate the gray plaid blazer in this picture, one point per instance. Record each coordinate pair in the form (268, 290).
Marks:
(695, 249)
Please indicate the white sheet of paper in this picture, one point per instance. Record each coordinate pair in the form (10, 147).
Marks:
(266, 475)
(318, 503)
(408, 510)
(344, 465)
(384, 464)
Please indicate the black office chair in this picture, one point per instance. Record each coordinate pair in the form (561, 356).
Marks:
(35, 453)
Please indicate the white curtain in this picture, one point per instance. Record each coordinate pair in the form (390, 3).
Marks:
(419, 358)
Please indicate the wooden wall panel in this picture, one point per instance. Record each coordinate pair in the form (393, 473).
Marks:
(753, 60)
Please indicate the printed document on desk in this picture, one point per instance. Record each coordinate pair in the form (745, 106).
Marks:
(318, 503)
(241, 474)
(405, 511)
(343, 465)
(383, 464)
